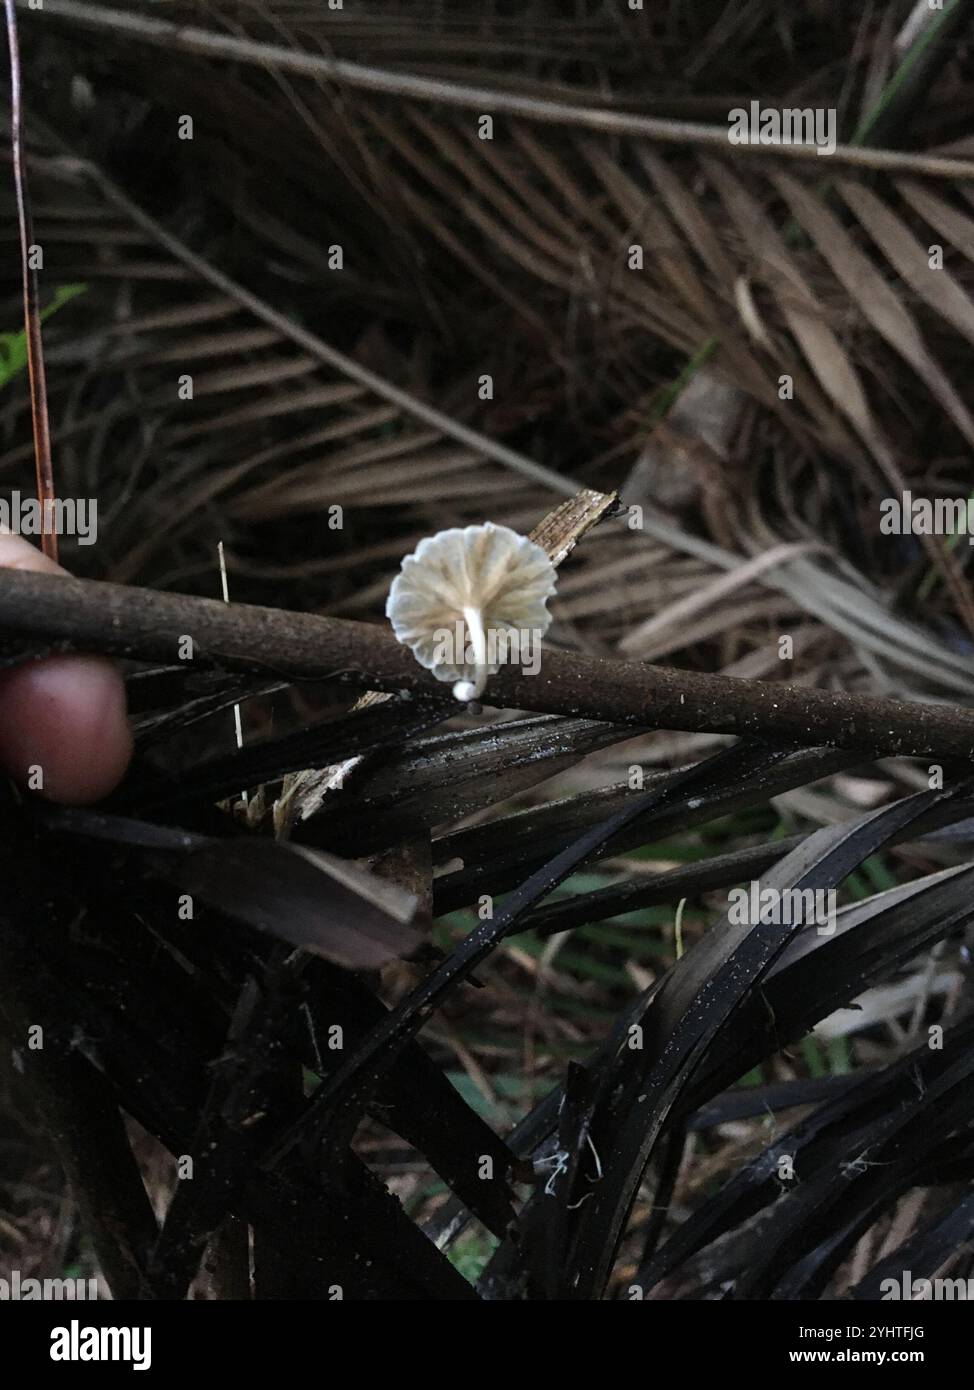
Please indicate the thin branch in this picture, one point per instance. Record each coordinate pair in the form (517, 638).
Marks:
(150, 626)
(224, 47)
(32, 313)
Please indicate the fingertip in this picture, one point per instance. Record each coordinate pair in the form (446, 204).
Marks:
(63, 727)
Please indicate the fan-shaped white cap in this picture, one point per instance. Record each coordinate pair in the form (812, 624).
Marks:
(478, 584)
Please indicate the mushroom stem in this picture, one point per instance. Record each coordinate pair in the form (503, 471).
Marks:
(472, 690)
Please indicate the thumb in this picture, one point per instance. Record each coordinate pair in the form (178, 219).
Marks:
(62, 719)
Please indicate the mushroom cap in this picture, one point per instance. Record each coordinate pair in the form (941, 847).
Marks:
(503, 575)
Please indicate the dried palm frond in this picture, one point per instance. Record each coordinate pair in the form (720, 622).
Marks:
(491, 966)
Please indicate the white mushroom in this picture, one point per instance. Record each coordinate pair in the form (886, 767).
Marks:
(482, 587)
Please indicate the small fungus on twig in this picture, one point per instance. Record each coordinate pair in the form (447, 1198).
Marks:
(466, 597)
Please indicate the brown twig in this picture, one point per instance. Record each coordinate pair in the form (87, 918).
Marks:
(32, 313)
(150, 626)
(228, 48)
